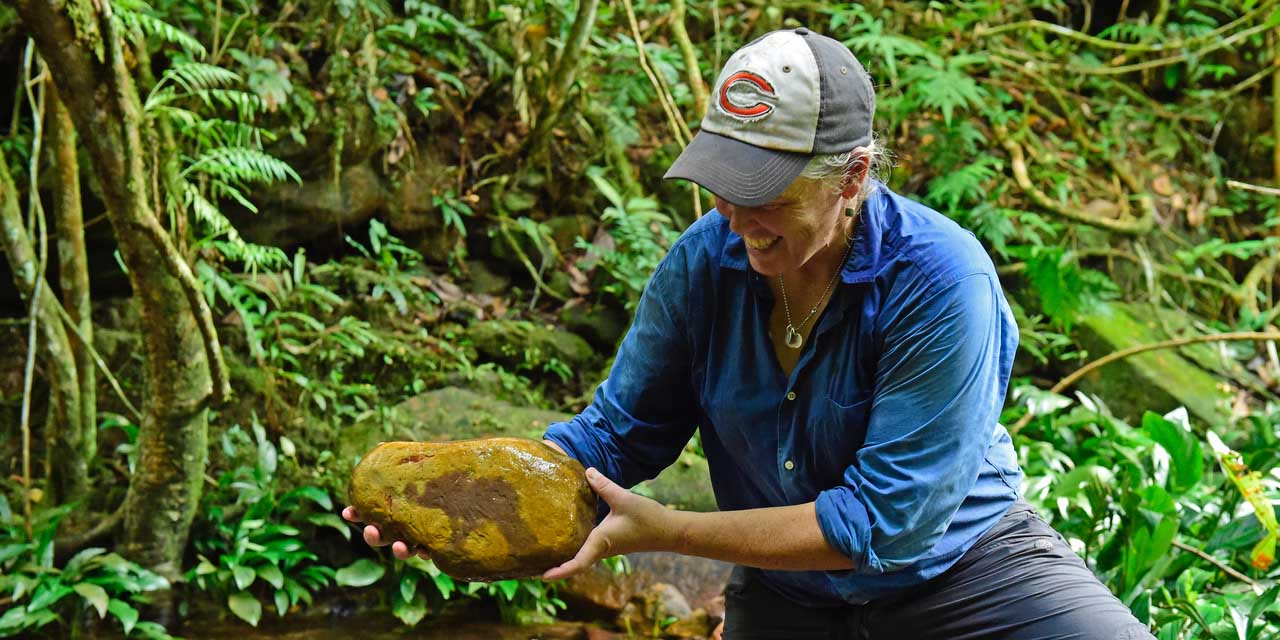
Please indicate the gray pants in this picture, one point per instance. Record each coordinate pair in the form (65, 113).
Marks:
(1020, 581)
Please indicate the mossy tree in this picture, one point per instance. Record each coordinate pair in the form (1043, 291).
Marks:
(184, 373)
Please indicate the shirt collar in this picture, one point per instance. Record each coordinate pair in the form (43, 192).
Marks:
(862, 261)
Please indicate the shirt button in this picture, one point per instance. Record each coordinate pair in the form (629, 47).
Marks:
(788, 465)
(791, 395)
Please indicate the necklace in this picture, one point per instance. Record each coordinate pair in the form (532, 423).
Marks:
(794, 338)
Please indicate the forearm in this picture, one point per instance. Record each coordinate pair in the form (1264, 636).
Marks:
(781, 538)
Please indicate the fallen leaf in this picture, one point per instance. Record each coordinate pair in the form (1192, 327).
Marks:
(1100, 208)
(1162, 185)
(448, 291)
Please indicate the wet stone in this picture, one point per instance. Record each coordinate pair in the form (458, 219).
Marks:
(485, 509)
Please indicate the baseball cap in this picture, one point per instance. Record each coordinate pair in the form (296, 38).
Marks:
(779, 101)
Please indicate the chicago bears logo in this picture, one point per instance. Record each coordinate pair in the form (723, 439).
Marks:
(740, 106)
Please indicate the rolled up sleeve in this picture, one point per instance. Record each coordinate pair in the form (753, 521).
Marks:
(642, 415)
(938, 395)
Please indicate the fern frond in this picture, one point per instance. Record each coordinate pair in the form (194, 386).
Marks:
(946, 89)
(207, 213)
(220, 132)
(240, 165)
(493, 61)
(199, 76)
(966, 184)
(134, 15)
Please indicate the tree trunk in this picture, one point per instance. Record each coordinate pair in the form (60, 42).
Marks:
(68, 468)
(101, 97)
(73, 268)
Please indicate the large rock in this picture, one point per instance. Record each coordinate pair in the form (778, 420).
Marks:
(1156, 380)
(295, 214)
(602, 325)
(599, 593)
(486, 509)
(457, 414)
(514, 341)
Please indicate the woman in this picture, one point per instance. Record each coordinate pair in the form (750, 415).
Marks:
(846, 352)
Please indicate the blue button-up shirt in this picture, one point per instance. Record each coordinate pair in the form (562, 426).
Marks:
(889, 421)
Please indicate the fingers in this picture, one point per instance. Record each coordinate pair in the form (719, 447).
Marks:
(607, 489)
(596, 547)
(400, 550)
(373, 537)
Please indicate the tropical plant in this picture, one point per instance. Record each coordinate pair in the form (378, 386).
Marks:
(251, 535)
(42, 594)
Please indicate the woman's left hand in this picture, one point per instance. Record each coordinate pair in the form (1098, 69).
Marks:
(635, 523)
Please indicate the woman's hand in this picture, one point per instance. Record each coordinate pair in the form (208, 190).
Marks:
(635, 523)
(399, 548)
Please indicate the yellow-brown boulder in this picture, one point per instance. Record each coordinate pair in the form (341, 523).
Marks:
(484, 509)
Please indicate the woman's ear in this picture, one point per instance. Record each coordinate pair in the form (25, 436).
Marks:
(854, 176)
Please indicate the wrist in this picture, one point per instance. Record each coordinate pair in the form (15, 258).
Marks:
(682, 527)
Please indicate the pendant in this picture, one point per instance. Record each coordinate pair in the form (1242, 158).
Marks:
(794, 339)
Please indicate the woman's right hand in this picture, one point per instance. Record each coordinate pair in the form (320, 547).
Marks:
(373, 537)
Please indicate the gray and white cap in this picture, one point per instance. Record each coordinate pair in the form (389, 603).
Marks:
(779, 101)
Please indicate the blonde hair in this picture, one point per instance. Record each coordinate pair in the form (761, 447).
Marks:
(832, 170)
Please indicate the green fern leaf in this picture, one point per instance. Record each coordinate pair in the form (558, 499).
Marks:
(136, 15)
(945, 89)
(964, 185)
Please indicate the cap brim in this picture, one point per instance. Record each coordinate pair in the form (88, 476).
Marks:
(741, 173)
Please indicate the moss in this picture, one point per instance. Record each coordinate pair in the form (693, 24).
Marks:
(1157, 380)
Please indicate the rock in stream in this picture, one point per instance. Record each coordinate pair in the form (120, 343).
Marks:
(485, 509)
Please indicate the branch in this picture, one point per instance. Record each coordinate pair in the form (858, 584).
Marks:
(71, 543)
(195, 299)
(565, 71)
(1019, 163)
(1102, 43)
(681, 36)
(102, 364)
(1245, 186)
(1249, 286)
(678, 127)
(1143, 348)
(1219, 564)
(1141, 66)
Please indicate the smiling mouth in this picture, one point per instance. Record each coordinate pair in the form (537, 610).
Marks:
(760, 244)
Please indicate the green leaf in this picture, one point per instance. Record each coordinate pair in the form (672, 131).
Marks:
(1186, 457)
(410, 612)
(243, 575)
(282, 601)
(245, 606)
(46, 596)
(508, 588)
(271, 573)
(127, 615)
(77, 562)
(13, 619)
(316, 495)
(332, 521)
(408, 586)
(96, 595)
(361, 573)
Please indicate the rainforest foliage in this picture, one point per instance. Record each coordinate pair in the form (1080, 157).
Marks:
(320, 209)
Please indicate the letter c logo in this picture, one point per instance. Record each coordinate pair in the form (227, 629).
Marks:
(741, 110)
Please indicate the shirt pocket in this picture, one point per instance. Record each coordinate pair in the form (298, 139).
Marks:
(1002, 458)
(839, 431)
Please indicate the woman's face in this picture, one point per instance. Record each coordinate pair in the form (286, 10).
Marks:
(783, 235)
